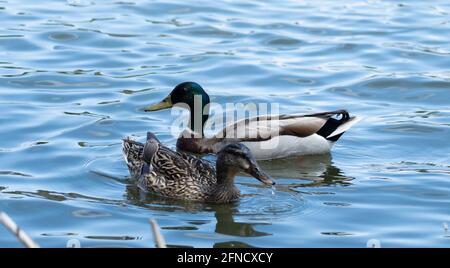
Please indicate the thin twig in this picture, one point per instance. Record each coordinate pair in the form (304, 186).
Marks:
(19, 233)
(159, 239)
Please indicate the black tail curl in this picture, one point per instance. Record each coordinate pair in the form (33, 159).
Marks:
(332, 124)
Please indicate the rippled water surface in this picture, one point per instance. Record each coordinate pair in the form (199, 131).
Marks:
(75, 76)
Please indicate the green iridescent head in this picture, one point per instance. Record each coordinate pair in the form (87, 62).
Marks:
(193, 96)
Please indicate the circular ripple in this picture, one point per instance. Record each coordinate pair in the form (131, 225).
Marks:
(278, 204)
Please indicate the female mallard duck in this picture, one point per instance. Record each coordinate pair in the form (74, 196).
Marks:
(267, 136)
(181, 176)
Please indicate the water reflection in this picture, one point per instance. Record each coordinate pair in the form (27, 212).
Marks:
(224, 213)
(317, 170)
(61, 196)
(228, 226)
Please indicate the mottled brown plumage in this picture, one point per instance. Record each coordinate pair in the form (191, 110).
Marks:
(181, 176)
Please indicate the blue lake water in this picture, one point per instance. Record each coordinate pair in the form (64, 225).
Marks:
(75, 75)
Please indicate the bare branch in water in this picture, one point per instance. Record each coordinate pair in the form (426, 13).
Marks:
(159, 239)
(17, 231)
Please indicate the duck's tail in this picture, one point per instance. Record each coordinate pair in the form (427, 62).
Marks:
(132, 152)
(343, 127)
(334, 128)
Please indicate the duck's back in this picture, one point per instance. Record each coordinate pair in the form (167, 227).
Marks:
(276, 136)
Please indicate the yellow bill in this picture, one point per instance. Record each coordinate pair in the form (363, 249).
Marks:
(164, 104)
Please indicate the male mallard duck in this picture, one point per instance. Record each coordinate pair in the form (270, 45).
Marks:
(181, 176)
(267, 136)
